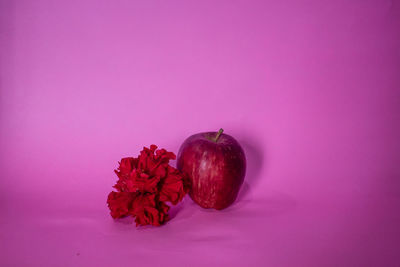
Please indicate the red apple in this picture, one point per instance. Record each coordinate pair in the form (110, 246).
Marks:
(216, 165)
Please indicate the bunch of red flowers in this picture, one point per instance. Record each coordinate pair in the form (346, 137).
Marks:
(144, 186)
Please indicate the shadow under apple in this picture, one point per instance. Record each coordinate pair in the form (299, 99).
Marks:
(254, 165)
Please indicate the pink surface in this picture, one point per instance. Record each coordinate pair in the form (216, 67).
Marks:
(311, 89)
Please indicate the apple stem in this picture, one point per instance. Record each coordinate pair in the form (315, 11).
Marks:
(218, 134)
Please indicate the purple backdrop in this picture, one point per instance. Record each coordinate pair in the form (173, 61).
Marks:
(311, 89)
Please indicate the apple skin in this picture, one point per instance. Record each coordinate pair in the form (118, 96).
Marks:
(216, 168)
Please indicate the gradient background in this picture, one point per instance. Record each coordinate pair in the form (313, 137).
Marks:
(311, 89)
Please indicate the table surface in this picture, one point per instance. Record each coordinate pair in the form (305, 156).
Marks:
(276, 230)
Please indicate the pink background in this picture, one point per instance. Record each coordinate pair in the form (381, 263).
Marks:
(311, 89)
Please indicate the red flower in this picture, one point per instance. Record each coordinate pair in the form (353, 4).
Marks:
(173, 187)
(149, 211)
(144, 185)
(120, 203)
